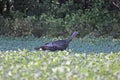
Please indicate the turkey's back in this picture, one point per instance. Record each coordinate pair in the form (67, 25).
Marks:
(60, 44)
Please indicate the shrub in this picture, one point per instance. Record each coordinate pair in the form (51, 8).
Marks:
(4, 25)
(17, 27)
(56, 18)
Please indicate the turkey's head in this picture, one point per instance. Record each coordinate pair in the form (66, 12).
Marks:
(74, 34)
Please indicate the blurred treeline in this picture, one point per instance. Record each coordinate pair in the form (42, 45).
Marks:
(59, 17)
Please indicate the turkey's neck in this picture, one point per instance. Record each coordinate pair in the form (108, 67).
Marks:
(69, 39)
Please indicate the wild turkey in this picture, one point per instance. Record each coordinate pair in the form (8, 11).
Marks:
(57, 45)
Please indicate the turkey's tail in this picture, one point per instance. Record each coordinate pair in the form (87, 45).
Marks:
(37, 48)
(40, 48)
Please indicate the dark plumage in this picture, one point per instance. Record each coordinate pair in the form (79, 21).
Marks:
(57, 45)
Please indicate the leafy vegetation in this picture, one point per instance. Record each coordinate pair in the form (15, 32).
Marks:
(59, 18)
(87, 58)
(59, 65)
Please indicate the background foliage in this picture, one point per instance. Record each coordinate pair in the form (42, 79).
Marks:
(59, 18)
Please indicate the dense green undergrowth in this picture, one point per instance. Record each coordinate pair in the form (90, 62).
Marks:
(61, 65)
(55, 18)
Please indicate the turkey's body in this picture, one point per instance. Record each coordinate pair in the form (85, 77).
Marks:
(57, 45)
(53, 46)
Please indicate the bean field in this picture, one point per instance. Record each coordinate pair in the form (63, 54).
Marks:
(84, 59)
